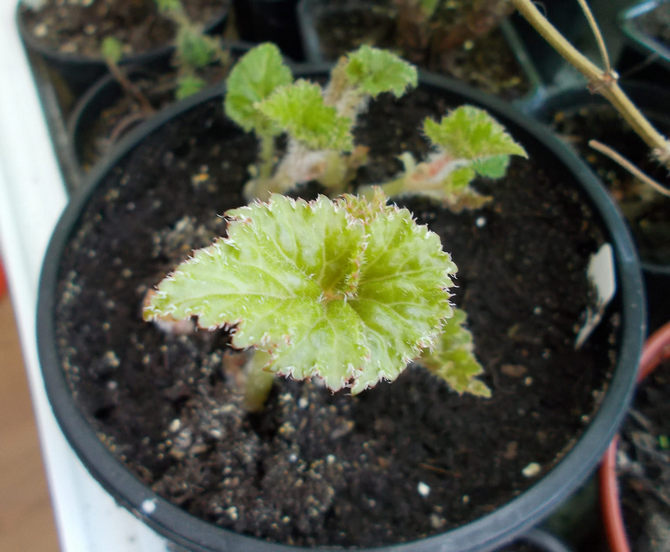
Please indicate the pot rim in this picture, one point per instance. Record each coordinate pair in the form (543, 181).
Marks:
(485, 533)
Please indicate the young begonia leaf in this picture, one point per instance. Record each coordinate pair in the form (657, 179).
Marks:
(188, 85)
(299, 109)
(376, 71)
(111, 49)
(341, 290)
(471, 133)
(253, 78)
(193, 48)
(452, 358)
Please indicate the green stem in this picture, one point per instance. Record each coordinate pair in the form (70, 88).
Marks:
(391, 189)
(267, 155)
(258, 381)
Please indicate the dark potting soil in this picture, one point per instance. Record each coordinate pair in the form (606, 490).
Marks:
(487, 63)
(395, 463)
(80, 27)
(656, 23)
(644, 465)
(647, 211)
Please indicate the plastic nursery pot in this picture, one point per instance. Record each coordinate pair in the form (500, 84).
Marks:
(80, 71)
(485, 533)
(270, 21)
(377, 21)
(83, 122)
(656, 350)
(652, 100)
(646, 56)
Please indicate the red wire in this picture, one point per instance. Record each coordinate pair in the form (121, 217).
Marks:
(656, 349)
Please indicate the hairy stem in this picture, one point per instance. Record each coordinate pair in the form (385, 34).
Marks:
(267, 155)
(258, 381)
(600, 81)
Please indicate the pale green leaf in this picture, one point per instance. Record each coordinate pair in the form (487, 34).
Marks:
(111, 50)
(492, 167)
(376, 71)
(453, 359)
(471, 133)
(169, 6)
(253, 78)
(299, 110)
(428, 7)
(338, 290)
(194, 49)
(187, 85)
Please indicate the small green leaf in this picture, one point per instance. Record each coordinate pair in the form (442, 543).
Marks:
(112, 50)
(428, 7)
(169, 6)
(471, 133)
(492, 167)
(299, 110)
(376, 71)
(336, 289)
(188, 85)
(193, 48)
(453, 359)
(253, 78)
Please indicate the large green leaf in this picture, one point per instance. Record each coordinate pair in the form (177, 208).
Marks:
(253, 78)
(345, 291)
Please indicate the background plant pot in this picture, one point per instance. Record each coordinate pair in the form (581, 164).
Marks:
(484, 533)
(656, 350)
(78, 72)
(350, 24)
(646, 56)
(270, 21)
(88, 139)
(577, 103)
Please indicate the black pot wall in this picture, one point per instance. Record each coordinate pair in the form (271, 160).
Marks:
(270, 21)
(483, 534)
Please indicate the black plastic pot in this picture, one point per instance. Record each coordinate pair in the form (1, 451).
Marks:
(79, 72)
(103, 94)
(644, 57)
(511, 520)
(652, 100)
(270, 21)
(311, 12)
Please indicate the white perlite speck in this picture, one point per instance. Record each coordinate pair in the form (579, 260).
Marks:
(149, 506)
(423, 489)
(531, 470)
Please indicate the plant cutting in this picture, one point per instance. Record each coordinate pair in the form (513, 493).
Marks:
(368, 292)
(408, 463)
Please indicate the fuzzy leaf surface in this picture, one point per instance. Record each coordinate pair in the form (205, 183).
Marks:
(338, 290)
(253, 78)
(453, 359)
(471, 133)
(299, 109)
(376, 71)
